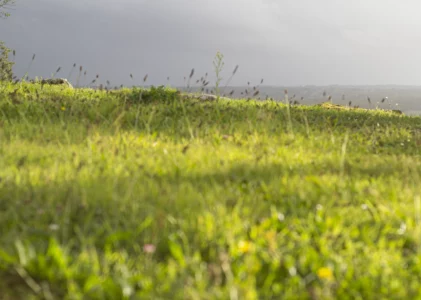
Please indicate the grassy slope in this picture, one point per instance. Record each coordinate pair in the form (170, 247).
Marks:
(237, 205)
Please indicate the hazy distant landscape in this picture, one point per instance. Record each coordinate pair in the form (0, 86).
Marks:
(405, 98)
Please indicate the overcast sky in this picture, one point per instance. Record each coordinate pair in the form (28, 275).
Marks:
(296, 42)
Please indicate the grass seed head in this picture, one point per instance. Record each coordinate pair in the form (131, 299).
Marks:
(235, 70)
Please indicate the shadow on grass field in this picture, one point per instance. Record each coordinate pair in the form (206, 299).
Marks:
(104, 197)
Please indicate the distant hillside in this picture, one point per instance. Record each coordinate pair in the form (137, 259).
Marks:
(405, 98)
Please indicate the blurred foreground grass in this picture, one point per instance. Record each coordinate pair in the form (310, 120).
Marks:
(138, 194)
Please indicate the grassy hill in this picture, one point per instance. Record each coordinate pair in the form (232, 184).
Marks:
(139, 194)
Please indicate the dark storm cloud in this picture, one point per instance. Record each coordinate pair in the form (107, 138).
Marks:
(285, 42)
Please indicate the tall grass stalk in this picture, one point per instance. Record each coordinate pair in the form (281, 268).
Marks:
(218, 65)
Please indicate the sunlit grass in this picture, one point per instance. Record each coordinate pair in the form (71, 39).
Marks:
(139, 194)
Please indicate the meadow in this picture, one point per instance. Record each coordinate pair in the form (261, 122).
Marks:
(142, 194)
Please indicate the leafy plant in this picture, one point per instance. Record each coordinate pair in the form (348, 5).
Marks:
(6, 72)
(218, 64)
(5, 4)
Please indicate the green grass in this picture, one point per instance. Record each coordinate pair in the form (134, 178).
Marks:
(138, 194)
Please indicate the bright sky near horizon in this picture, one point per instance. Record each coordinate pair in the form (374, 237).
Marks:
(301, 42)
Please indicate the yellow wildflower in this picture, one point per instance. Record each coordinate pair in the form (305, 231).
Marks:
(325, 273)
(63, 108)
(270, 235)
(244, 246)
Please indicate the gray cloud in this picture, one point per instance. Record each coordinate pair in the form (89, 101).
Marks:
(285, 42)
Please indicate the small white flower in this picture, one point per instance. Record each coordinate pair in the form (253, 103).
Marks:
(364, 206)
(319, 207)
(281, 217)
(54, 227)
(402, 229)
(292, 271)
